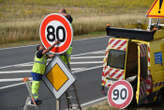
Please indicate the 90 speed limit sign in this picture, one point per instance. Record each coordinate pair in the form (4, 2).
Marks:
(120, 94)
(55, 27)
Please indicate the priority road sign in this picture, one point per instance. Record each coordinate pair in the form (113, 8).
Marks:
(55, 27)
(120, 94)
(156, 10)
(58, 77)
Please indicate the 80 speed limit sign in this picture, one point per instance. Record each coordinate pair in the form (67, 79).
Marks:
(120, 94)
(55, 27)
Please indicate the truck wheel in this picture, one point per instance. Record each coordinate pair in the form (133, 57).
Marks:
(160, 96)
(134, 102)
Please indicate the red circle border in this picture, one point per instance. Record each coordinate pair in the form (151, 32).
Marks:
(67, 25)
(130, 96)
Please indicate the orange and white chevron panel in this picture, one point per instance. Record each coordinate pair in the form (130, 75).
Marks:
(148, 47)
(109, 72)
(113, 73)
(117, 44)
(146, 84)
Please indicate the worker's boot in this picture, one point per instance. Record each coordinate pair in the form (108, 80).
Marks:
(37, 101)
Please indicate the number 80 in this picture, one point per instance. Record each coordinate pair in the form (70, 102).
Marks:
(51, 32)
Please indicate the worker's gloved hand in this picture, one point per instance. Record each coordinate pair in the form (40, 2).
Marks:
(57, 42)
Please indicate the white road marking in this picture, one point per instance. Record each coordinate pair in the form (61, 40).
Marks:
(13, 79)
(12, 85)
(74, 70)
(28, 71)
(73, 56)
(26, 65)
(31, 63)
(87, 57)
(37, 44)
(82, 70)
(21, 79)
(91, 62)
(17, 47)
(86, 53)
(17, 71)
(16, 65)
(93, 101)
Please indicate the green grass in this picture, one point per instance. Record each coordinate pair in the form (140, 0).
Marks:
(16, 9)
(26, 42)
(20, 19)
(29, 30)
(105, 106)
(101, 106)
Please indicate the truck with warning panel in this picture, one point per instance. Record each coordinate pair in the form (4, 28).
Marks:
(136, 56)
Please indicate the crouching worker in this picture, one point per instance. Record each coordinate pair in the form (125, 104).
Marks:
(39, 66)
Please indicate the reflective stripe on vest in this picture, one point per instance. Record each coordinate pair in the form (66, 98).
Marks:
(39, 64)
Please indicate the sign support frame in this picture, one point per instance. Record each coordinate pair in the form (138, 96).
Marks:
(58, 93)
(58, 104)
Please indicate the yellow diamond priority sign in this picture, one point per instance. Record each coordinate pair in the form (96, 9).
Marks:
(58, 77)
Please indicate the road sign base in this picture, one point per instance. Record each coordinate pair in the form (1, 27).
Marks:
(29, 106)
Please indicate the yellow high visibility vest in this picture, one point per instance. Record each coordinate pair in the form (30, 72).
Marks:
(39, 64)
(67, 54)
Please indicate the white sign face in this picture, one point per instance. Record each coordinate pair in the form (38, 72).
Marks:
(55, 31)
(58, 77)
(120, 94)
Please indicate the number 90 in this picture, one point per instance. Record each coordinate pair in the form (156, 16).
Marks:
(119, 94)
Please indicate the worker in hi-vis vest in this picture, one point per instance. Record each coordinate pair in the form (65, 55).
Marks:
(66, 57)
(39, 66)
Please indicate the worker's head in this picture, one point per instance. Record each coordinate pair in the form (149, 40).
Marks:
(63, 11)
(40, 47)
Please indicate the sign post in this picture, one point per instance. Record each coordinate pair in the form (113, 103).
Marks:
(55, 27)
(58, 78)
(57, 104)
(120, 94)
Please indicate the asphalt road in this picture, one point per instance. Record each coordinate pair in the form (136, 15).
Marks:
(86, 64)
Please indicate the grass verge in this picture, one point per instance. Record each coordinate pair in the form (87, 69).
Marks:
(20, 19)
(33, 42)
(105, 106)
(28, 30)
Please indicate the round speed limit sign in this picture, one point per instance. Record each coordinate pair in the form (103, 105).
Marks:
(55, 27)
(120, 94)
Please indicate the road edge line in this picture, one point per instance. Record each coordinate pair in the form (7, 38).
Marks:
(93, 102)
(18, 84)
(12, 85)
(36, 44)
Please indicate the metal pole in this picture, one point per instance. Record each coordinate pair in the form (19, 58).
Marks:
(158, 23)
(57, 104)
(77, 99)
(150, 23)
